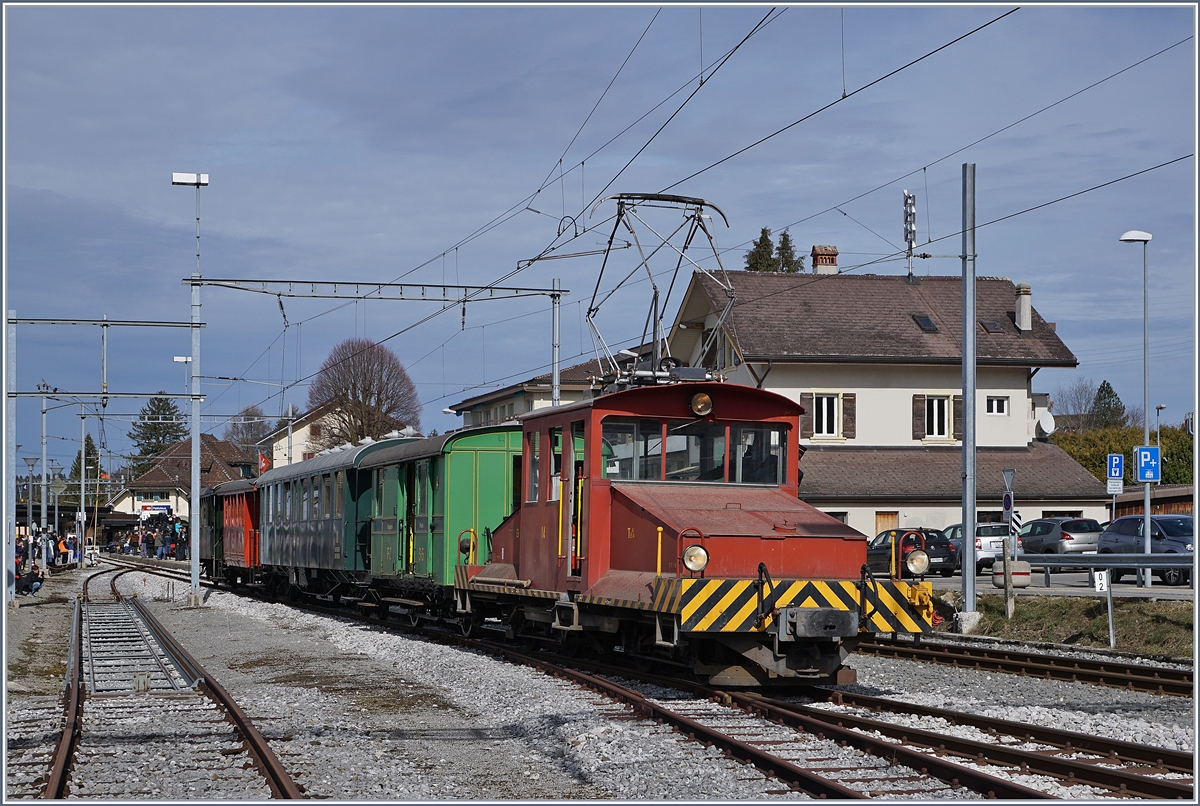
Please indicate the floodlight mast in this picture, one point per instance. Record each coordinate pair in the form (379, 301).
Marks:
(195, 599)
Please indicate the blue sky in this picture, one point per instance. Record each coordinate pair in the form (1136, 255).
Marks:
(368, 143)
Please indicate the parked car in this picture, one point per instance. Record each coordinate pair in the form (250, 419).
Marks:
(1061, 536)
(989, 543)
(943, 559)
(1169, 534)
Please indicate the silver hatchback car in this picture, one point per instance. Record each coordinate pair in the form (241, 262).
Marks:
(1061, 536)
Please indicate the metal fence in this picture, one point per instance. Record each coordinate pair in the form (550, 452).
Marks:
(1098, 561)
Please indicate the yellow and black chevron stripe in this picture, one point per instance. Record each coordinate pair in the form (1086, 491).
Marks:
(732, 605)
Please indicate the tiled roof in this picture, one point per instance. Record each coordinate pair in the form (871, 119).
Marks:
(869, 318)
(219, 462)
(1044, 472)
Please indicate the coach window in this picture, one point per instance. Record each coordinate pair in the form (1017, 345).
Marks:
(758, 454)
(316, 497)
(695, 451)
(377, 504)
(327, 496)
(339, 481)
(533, 438)
(287, 501)
(304, 493)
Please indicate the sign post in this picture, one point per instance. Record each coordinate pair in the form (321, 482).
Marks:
(1116, 480)
(1100, 580)
(1149, 471)
(1009, 474)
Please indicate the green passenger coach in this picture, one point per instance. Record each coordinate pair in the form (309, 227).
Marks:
(432, 505)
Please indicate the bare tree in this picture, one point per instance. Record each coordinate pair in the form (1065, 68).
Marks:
(247, 429)
(370, 391)
(1074, 405)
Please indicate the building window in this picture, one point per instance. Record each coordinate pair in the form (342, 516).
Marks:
(841, 516)
(315, 429)
(825, 415)
(997, 405)
(937, 415)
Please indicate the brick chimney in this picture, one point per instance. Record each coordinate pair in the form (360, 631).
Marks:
(824, 259)
(1024, 313)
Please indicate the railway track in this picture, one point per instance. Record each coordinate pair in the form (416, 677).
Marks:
(143, 719)
(854, 746)
(1153, 679)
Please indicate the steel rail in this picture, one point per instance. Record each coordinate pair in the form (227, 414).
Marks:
(281, 783)
(56, 781)
(1152, 679)
(1114, 750)
(948, 771)
(1068, 770)
(773, 766)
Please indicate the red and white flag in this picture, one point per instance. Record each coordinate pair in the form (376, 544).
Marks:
(264, 464)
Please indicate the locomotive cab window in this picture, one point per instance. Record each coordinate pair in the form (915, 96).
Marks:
(758, 454)
(556, 450)
(532, 442)
(695, 451)
(632, 448)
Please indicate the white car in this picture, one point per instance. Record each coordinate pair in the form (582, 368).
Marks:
(989, 543)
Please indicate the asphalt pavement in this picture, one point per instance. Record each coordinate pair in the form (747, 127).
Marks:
(1071, 583)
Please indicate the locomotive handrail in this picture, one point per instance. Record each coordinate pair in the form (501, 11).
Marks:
(471, 546)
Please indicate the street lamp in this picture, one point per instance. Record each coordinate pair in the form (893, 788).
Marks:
(1137, 236)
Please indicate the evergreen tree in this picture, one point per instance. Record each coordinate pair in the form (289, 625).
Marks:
(785, 255)
(761, 256)
(159, 426)
(1107, 409)
(71, 494)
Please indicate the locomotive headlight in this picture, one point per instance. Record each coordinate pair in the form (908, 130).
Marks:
(695, 558)
(702, 404)
(917, 562)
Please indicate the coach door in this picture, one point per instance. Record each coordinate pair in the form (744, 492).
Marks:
(420, 539)
(385, 547)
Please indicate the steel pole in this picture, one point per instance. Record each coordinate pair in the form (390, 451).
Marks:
(1147, 575)
(968, 383)
(10, 461)
(44, 485)
(195, 599)
(555, 386)
(81, 515)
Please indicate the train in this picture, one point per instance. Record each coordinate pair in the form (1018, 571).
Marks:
(658, 522)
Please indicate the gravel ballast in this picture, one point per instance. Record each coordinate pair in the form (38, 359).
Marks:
(357, 711)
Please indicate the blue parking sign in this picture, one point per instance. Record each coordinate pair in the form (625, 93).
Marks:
(1146, 459)
(1116, 466)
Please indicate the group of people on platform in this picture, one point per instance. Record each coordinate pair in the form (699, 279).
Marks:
(40, 551)
(163, 541)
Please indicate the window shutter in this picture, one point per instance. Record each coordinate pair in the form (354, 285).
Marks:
(806, 419)
(958, 417)
(918, 417)
(848, 406)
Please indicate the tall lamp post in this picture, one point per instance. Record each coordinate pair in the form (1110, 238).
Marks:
(1137, 236)
(195, 598)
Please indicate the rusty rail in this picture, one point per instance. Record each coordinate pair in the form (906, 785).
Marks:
(281, 783)
(1152, 679)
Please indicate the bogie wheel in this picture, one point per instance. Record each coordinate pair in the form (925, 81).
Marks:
(469, 625)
